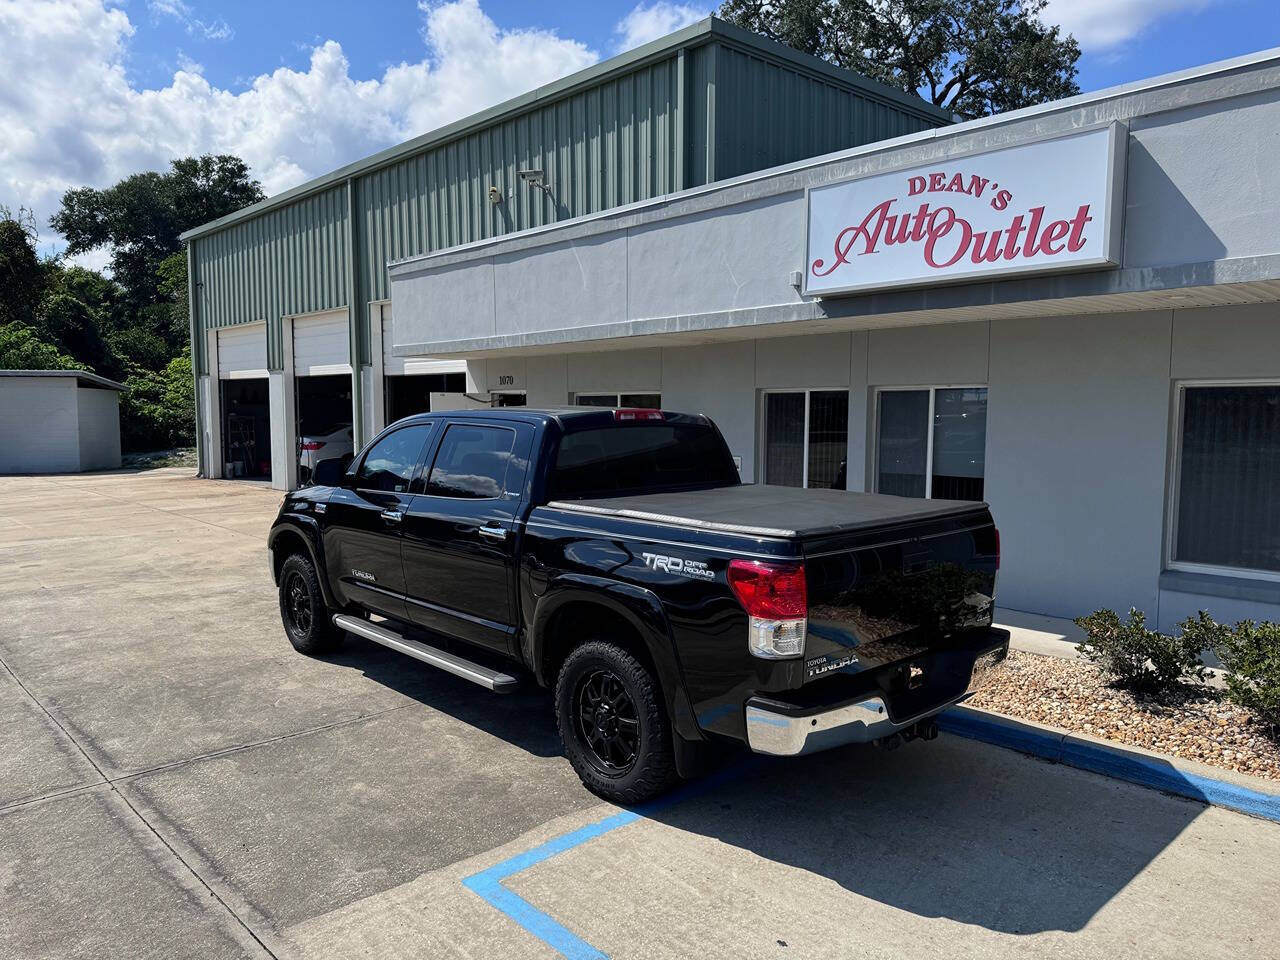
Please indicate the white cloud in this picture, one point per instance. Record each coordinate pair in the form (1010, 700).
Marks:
(72, 118)
(654, 20)
(1101, 25)
(182, 12)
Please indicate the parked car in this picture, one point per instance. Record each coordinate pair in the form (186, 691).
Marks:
(614, 556)
(313, 448)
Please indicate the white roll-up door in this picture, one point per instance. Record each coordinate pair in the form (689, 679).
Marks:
(393, 366)
(321, 345)
(242, 352)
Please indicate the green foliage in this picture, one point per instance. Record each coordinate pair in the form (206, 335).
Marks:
(158, 408)
(141, 217)
(22, 349)
(75, 328)
(972, 57)
(1138, 658)
(1251, 654)
(21, 274)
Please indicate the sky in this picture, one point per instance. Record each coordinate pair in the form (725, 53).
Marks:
(94, 90)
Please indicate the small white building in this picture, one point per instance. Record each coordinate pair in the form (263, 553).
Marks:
(58, 421)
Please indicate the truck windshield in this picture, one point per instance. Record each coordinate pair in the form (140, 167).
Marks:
(640, 458)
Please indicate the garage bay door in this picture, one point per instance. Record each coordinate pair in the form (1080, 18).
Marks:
(242, 352)
(321, 345)
(393, 366)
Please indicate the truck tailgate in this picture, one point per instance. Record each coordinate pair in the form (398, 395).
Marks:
(898, 593)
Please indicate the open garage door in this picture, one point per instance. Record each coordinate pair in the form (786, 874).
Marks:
(242, 352)
(411, 381)
(321, 345)
(243, 404)
(322, 390)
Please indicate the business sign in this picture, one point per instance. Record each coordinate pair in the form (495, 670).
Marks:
(1041, 207)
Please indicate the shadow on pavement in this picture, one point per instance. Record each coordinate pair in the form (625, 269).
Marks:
(523, 718)
(953, 829)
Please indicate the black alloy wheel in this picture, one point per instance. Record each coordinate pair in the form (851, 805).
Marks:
(297, 602)
(302, 608)
(613, 722)
(608, 722)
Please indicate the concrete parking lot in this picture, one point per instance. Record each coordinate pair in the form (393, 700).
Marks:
(176, 782)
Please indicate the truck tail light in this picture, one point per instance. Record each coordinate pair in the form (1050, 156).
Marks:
(776, 600)
(312, 445)
(626, 414)
(997, 529)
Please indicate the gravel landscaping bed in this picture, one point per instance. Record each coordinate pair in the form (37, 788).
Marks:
(1073, 695)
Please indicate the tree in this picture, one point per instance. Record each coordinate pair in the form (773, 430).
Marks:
(142, 216)
(971, 57)
(21, 349)
(21, 273)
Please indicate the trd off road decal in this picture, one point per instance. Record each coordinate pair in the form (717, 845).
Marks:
(677, 565)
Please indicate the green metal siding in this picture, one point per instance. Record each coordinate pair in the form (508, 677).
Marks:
(682, 116)
(768, 113)
(288, 261)
(609, 145)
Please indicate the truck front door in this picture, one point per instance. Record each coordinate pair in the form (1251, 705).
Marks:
(461, 535)
(363, 520)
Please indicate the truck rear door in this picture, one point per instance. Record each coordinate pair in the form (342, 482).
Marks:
(461, 533)
(895, 595)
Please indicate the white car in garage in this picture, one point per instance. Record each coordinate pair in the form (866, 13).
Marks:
(312, 448)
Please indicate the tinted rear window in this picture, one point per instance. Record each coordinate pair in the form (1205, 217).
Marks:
(648, 457)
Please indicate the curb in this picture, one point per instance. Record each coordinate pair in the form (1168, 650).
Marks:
(1119, 763)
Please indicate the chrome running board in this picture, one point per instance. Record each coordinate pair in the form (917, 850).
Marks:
(477, 673)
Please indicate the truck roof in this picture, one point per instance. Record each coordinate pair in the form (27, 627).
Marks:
(576, 415)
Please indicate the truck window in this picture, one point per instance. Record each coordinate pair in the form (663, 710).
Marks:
(389, 464)
(472, 462)
(641, 457)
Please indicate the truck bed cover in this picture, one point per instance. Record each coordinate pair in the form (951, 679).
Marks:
(759, 510)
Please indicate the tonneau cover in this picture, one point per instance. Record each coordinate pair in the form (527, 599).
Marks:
(763, 511)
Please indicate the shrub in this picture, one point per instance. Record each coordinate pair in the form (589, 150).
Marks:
(1251, 652)
(1136, 657)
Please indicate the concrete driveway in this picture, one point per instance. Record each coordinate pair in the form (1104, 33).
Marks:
(176, 782)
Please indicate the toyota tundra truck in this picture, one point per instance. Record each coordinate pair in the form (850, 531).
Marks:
(615, 557)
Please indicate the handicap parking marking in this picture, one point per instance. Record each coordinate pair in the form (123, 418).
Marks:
(488, 885)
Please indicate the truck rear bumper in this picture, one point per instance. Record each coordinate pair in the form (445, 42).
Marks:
(774, 729)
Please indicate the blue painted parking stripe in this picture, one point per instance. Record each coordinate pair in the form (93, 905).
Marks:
(487, 884)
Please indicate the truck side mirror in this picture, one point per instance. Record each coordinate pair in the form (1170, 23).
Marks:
(331, 472)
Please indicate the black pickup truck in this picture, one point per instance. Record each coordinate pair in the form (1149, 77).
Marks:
(615, 556)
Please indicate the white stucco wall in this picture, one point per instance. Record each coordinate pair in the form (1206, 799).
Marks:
(99, 414)
(1080, 418)
(38, 420)
(50, 425)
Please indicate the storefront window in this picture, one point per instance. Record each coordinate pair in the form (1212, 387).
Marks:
(806, 438)
(932, 442)
(1228, 480)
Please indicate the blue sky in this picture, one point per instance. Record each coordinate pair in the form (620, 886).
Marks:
(282, 33)
(94, 90)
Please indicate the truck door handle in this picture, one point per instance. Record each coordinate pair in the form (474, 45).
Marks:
(494, 532)
(392, 516)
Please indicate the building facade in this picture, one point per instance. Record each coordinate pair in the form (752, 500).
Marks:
(290, 299)
(1068, 311)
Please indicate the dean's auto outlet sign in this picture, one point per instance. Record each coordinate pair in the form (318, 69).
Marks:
(1045, 206)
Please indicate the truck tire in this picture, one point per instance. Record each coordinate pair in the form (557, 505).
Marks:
(303, 610)
(613, 724)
